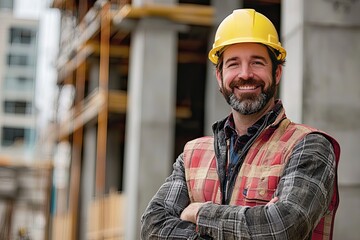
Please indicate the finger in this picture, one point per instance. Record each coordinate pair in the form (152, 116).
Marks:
(272, 201)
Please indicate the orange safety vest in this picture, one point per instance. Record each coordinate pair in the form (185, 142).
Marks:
(259, 174)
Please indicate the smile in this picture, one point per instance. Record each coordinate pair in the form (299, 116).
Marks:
(247, 87)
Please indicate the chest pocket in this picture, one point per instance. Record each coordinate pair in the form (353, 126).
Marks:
(256, 185)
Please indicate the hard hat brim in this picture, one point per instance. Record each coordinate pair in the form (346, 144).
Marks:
(213, 54)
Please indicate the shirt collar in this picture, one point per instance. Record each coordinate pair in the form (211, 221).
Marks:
(229, 126)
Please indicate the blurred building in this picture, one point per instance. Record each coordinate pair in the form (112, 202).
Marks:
(25, 182)
(135, 84)
(18, 48)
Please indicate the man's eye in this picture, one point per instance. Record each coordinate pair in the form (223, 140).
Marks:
(232, 65)
(257, 63)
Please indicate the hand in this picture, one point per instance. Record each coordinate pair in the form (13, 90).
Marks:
(190, 212)
(272, 201)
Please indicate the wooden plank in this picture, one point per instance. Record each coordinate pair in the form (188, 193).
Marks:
(79, 116)
(107, 217)
(263, 1)
(57, 4)
(70, 66)
(62, 226)
(117, 101)
(118, 51)
(191, 57)
(103, 88)
(76, 156)
(181, 13)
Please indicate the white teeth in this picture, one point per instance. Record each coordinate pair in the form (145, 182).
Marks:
(246, 87)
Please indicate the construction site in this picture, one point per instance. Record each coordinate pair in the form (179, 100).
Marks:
(164, 46)
(134, 85)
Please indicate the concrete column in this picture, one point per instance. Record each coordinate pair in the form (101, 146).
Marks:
(150, 116)
(291, 86)
(87, 192)
(216, 107)
(321, 87)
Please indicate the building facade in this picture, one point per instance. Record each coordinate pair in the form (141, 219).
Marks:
(139, 86)
(18, 74)
(25, 190)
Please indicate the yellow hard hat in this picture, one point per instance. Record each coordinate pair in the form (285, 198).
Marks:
(246, 26)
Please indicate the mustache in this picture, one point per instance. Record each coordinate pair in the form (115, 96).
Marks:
(241, 82)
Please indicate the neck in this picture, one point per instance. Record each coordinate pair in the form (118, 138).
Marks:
(243, 122)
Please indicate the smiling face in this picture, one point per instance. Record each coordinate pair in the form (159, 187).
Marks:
(246, 79)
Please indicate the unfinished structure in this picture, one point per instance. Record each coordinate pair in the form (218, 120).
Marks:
(114, 54)
(132, 78)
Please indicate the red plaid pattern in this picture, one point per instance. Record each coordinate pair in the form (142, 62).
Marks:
(201, 175)
(259, 174)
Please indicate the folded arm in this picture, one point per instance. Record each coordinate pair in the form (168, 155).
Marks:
(304, 193)
(161, 219)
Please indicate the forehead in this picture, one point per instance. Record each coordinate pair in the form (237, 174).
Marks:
(245, 50)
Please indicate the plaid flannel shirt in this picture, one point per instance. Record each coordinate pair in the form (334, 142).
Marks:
(305, 190)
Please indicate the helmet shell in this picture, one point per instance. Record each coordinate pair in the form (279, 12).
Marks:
(246, 26)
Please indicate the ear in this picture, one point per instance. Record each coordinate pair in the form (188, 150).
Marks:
(219, 78)
(278, 74)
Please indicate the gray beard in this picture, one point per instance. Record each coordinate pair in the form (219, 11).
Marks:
(248, 106)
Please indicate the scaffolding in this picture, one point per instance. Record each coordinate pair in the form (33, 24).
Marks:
(100, 35)
(25, 195)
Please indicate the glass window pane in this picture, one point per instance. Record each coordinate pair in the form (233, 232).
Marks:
(12, 136)
(17, 60)
(21, 35)
(17, 107)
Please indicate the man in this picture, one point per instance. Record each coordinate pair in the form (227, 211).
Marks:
(260, 176)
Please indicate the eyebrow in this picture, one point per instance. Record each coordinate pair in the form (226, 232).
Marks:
(231, 59)
(259, 57)
(252, 57)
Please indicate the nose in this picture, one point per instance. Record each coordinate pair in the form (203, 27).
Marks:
(245, 72)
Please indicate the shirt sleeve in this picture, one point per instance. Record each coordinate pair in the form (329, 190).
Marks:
(161, 219)
(304, 191)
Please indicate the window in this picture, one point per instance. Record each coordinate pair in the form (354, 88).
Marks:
(17, 107)
(18, 60)
(12, 136)
(22, 79)
(21, 35)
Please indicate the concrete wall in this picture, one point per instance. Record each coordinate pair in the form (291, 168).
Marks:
(321, 87)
